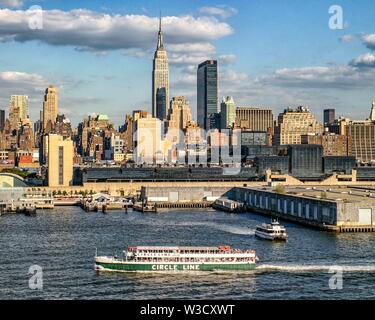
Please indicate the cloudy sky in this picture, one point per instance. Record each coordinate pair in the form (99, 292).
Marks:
(271, 53)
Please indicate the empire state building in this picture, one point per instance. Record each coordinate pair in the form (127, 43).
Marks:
(160, 80)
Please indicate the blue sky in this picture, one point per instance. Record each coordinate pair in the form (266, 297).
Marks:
(271, 53)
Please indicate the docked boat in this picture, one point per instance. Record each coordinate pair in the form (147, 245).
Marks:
(228, 205)
(149, 208)
(272, 231)
(170, 259)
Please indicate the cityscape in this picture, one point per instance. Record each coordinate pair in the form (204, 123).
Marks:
(185, 175)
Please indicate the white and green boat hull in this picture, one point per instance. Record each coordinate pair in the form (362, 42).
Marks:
(126, 266)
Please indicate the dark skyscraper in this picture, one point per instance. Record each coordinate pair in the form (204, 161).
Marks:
(329, 116)
(161, 103)
(207, 96)
(2, 119)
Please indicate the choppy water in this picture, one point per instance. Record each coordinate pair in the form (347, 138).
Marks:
(63, 243)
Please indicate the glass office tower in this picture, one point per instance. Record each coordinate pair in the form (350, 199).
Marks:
(207, 92)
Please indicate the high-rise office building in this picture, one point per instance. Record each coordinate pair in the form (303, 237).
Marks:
(329, 116)
(50, 106)
(228, 113)
(293, 123)
(180, 114)
(18, 110)
(60, 161)
(147, 139)
(22, 102)
(254, 119)
(362, 134)
(160, 79)
(207, 94)
(2, 119)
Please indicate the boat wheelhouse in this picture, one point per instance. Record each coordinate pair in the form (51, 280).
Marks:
(155, 258)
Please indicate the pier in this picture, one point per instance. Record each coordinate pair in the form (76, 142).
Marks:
(338, 209)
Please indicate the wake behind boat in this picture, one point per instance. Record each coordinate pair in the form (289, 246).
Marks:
(144, 258)
(273, 231)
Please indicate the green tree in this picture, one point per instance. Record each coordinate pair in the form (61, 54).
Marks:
(280, 189)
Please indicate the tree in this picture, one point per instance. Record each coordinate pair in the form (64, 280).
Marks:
(280, 189)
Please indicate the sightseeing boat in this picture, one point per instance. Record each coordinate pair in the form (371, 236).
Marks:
(273, 231)
(169, 259)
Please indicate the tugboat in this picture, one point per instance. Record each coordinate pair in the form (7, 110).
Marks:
(174, 259)
(273, 231)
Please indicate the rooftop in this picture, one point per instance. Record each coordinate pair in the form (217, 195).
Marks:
(328, 193)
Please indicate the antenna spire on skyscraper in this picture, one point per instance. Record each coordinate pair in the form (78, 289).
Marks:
(160, 35)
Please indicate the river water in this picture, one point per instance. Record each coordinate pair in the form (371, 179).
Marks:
(63, 241)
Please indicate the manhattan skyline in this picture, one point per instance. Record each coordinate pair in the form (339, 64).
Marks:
(102, 59)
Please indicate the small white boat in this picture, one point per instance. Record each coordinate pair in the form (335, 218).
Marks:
(273, 231)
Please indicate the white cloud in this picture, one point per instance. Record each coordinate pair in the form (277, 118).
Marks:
(220, 11)
(21, 81)
(94, 31)
(347, 38)
(338, 77)
(369, 41)
(11, 3)
(364, 61)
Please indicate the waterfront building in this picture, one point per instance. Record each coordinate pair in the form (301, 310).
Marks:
(254, 119)
(339, 164)
(293, 123)
(50, 107)
(279, 164)
(207, 94)
(329, 116)
(333, 144)
(60, 161)
(160, 79)
(227, 113)
(305, 160)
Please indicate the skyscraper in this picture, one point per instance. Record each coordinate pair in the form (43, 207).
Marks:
(50, 106)
(18, 110)
(207, 100)
(228, 113)
(293, 123)
(160, 79)
(60, 161)
(254, 119)
(2, 119)
(329, 116)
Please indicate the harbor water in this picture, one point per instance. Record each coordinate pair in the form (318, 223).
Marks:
(62, 243)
